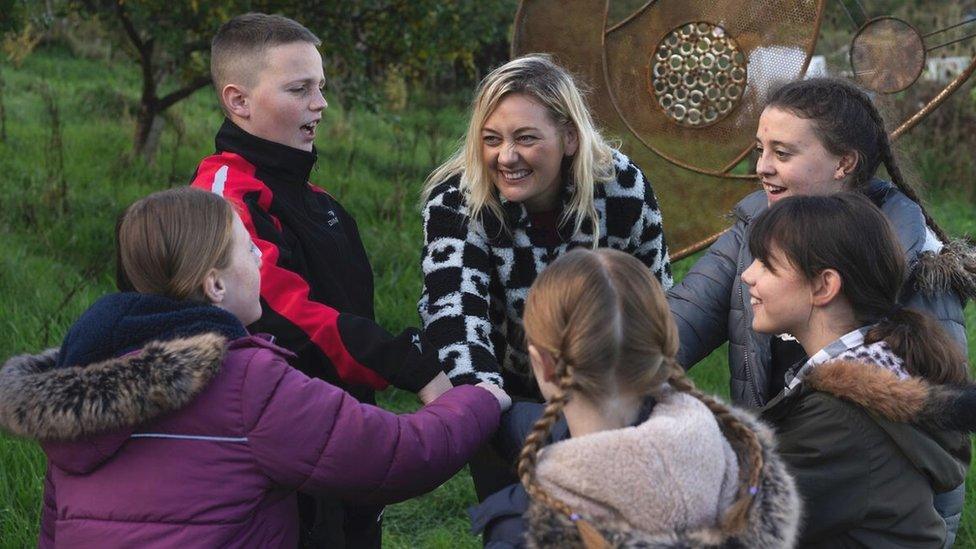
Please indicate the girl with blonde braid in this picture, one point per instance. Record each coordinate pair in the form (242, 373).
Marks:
(651, 460)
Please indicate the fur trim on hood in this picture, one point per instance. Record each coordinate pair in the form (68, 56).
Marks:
(910, 400)
(42, 402)
(773, 520)
(951, 268)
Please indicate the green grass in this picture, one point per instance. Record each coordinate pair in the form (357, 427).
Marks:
(53, 264)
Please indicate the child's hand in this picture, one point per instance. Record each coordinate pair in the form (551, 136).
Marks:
(504, 400)
(437, 387)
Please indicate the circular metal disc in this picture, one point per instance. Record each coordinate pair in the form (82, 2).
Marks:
(887, 55)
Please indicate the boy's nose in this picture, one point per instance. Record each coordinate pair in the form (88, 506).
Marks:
(318, 102)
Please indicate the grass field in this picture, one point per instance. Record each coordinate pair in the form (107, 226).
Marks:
(62, 185)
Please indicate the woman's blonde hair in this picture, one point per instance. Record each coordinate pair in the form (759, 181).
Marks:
(605, 320)
(551, 86)
(168, 241)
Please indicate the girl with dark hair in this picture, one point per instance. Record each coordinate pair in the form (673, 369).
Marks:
(818, 137)
(652, 461)
(865, 422)
(166, 424)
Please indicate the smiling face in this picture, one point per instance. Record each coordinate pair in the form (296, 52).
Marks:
(241, 279)
(523, 150)
(779, 295)
(792, 159)
(286, 103)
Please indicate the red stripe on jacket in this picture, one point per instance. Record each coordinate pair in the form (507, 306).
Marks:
(286, 292)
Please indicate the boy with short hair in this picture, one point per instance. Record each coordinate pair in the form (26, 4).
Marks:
(316, 280)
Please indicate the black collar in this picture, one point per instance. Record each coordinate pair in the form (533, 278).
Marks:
(280, 162)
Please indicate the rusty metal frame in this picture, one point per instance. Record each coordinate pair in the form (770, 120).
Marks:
(850, 54)
(950, 89)
(724, 172)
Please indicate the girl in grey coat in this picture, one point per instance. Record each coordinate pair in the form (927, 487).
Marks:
(817, 136)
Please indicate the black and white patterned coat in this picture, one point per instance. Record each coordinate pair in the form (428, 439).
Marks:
(477, 274)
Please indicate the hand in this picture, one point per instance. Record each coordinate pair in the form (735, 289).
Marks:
(504, 400)
(437, 387)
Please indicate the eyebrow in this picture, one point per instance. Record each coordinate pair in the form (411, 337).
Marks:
(305, 81)
(517, 130)
(776, 143)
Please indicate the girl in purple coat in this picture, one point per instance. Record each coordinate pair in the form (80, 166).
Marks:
(166, 424)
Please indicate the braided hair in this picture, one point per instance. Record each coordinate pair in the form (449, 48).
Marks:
(845, 119)
(605, 320)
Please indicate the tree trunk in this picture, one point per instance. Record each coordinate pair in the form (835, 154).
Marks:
(149, 129)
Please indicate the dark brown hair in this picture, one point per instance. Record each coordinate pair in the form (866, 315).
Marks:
(168, 241)
(846, 120)
(605, 319)
(848, 233)
(237, 50)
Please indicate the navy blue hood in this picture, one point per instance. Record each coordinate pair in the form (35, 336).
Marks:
(121, 323)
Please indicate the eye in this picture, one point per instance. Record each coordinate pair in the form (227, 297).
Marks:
(255, 251)
(526, 139)
(781, 154)
(491, 140)
(759, 149)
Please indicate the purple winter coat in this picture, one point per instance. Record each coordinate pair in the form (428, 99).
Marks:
(198, 443)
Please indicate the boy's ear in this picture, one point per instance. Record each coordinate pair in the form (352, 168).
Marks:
(825, 287)
(236, 100)
(213, 287)
(847, 164)
(543, 363)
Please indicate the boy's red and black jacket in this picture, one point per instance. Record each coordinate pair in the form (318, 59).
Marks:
(316, 280)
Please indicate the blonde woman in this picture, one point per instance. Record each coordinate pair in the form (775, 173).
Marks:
(651, 462)
(532, 179)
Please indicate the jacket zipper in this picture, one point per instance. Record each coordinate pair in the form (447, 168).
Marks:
(745, 353)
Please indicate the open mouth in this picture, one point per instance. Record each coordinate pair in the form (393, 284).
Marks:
(773, 190)
(516, 175)
(309, 129)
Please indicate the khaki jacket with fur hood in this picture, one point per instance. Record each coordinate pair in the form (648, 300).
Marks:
(869, 451)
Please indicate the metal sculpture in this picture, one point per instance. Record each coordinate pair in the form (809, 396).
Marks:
(683, 82)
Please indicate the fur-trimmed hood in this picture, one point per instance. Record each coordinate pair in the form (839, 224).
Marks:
(82, 415)
(773, 520)
(952, 267)
(927, 422)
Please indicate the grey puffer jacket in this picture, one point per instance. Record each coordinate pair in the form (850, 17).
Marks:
(710, 304)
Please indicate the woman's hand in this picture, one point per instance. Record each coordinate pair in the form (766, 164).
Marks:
(504, 400)
(437, 387)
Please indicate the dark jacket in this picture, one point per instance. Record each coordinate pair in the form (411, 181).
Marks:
(316, 280)
(869, 452)
(201, 441)
(477, 272)
(710, 305)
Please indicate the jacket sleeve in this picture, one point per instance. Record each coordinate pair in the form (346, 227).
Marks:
(700, 302)
(47, 535)
(647, 241)
(823, 447)
(359, 349)
(312, 436)
(500, 518)
(454, 305)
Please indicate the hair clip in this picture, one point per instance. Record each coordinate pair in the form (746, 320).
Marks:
(753, 490)
(574, 517)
